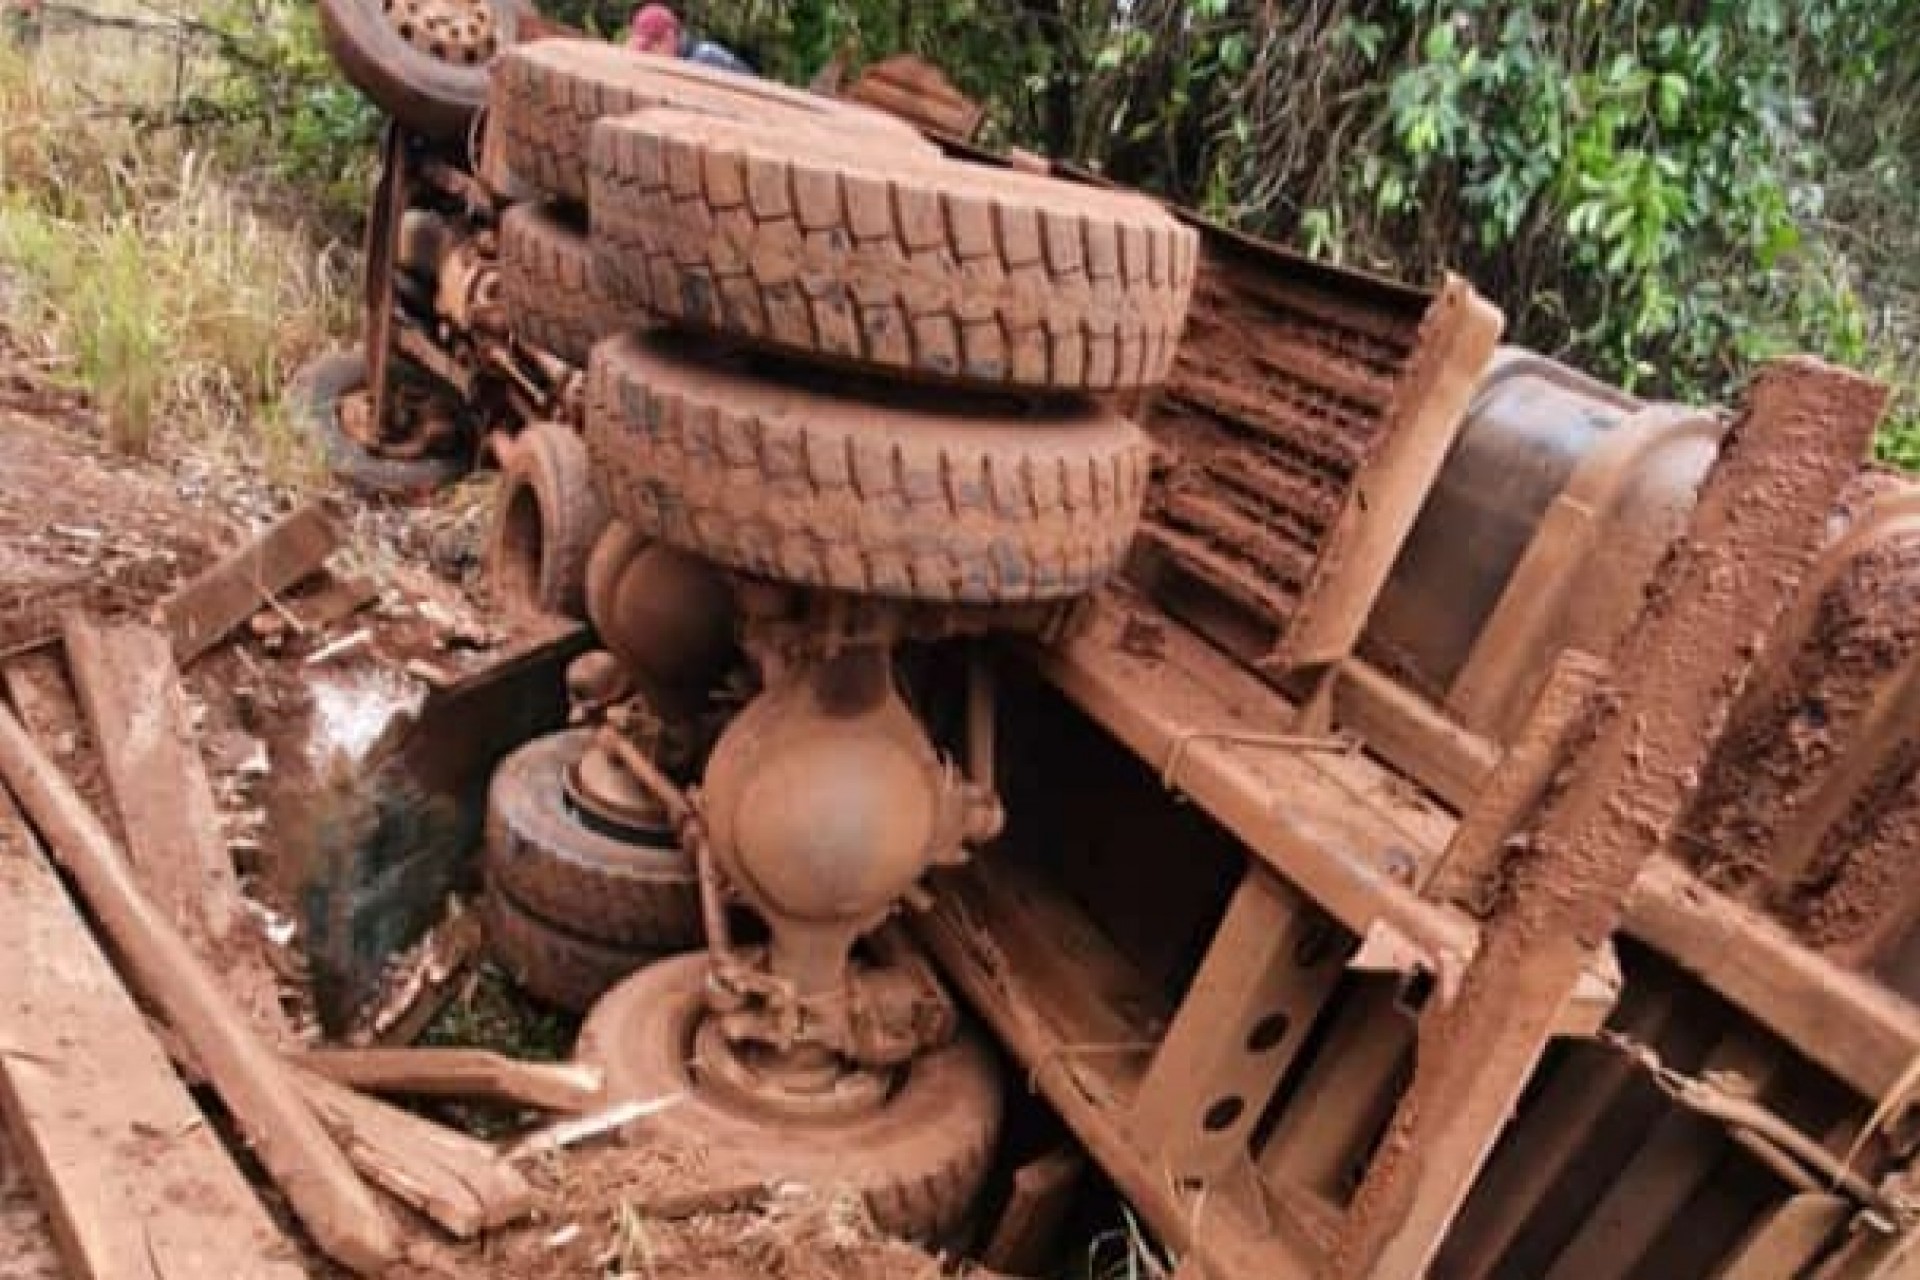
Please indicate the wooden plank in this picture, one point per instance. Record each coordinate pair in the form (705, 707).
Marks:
(458, 1181)
(338, 1210)
(1758, 529)
(1345, 1097)
(134, 1180)
(1028, 1231)
(124, 676)
(1846, 1022)
(201, 613)
(1468, 872)
(1787, 1241)
(1308, 813)
(1457, 339)
(126, 683)
(1268, 972)
(567, 1088)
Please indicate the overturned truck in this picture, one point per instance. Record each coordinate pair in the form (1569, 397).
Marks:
(1402, 807)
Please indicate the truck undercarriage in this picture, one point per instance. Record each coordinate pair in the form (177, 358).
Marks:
(1434, 814)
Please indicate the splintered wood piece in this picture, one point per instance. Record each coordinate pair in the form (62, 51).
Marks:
(133, 1179)
(566, 1088)
(458, 1181)
(344, 1217)
(201, 614)
(1759, 526)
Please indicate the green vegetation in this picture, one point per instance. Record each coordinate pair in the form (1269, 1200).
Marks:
(155, 234)
(1661, 192)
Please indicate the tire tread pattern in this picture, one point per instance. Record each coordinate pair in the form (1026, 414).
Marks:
(940, 271)
(908, 506)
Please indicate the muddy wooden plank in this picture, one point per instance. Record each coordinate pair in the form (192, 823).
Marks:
(124, 676)
(134, 1180)
(1758, 529)
(567, 1088)
(390, 840)
(458, 1181)
(201, 614)
(127, 685)
(1468, 871)
(341, 1213)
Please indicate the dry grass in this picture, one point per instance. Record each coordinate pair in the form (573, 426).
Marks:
(139, 264)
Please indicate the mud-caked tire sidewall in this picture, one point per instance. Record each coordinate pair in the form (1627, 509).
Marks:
(918, 1162)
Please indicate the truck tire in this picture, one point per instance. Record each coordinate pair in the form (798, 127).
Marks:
(549, 962)
(913, 497)
(548, 95)
(936, 269)
(546, 518)
(423, 62)
(639, 895)
(314, 399)
(918, 1160)
(548, 284)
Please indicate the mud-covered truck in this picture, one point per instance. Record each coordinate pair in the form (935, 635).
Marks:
(1079, 687)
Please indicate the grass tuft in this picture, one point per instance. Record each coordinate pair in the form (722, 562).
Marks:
(143, 268)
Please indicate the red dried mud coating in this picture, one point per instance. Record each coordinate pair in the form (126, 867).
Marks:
(1278, 399)
(1759, 526)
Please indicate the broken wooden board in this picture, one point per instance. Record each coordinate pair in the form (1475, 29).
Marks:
(201, 614)
(388, 841)
(458, 1181)
(134, 1180)
(127, 685)
(124, 676)
(340, 1212)
(566, 1088)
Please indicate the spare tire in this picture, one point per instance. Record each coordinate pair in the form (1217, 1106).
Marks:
(423, 62)
(546, 518)
(548, 283)
(640, 893)
(548, 94)
(911, 495)
(933, 269)
(548, 961)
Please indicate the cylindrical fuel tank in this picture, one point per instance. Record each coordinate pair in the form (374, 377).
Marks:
(1554, 506)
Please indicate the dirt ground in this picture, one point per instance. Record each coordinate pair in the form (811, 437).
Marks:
(80, 529)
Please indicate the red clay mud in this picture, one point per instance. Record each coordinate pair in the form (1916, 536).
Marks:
(1279, 398)
(1760, 524)
(1804, 714)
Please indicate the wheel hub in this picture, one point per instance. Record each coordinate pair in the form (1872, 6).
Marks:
(798, 1085)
